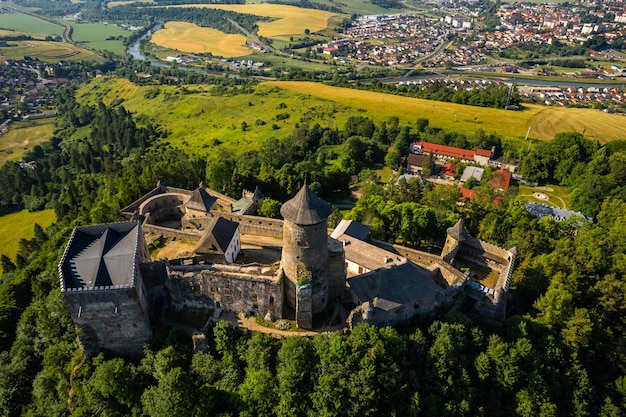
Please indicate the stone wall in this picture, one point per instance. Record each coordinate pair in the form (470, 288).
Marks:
(336, 269)
(167, 232)
(254, 290)
(252, 225)
(110, 319)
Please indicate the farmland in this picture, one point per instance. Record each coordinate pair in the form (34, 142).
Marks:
(94, 36)
(291, 20)
(22, 137)
(16, 226)
(46, 51)
(27, 24)
(187, 37)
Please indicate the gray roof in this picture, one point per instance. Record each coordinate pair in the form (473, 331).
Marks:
(351, 228)
(472, 171)
(200, 200)
(393, 287)
(223, 231)
(540, 210)
(101, 256)
(306, 208)
(458, 231)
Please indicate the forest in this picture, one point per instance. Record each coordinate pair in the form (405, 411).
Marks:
(559, 352)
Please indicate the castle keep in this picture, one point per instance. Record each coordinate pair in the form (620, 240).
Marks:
(116, 294)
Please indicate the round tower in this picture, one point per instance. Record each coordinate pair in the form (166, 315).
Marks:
(305, 254)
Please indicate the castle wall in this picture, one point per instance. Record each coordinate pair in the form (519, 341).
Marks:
(162, 201)
(250, 290)
(336, 269)
(252, 225)
(166, 231)
(110, 319)
(306, 245)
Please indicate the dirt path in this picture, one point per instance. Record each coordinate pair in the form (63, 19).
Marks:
(249, 323)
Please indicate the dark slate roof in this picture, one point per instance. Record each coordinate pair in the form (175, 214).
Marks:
(200, 200)
(223, 231)
(351, 228)
(101, 256)
(389, 288)
(306, 208)
(458, 231)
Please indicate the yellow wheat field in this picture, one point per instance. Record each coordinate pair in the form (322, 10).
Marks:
(291, 20)
(188, 37)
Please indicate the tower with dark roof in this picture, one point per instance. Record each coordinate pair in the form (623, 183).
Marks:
(305, 255)
(103, 287)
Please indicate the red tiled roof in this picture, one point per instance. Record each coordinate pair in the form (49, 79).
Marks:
(466, 194)
(448, 169)
(501, 179)
(483, 152)
(444, 150)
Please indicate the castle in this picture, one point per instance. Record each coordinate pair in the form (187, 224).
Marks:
(117, 294)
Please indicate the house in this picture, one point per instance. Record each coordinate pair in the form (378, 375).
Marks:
(482, 157)
(222, 237)
(466, 194)
(442, 151)
(472, 172)
(501, 180)
(448, 171)
(414, 163)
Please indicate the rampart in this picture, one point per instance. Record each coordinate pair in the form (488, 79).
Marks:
(248, 289)
(193, 235)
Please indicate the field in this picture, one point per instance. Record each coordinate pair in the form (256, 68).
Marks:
(201, 118)
(46, 51)
(16, 226)
(351, 6)
(20, 22)
(120, 3)
(22, 137)
(291, 20)
(544, 121)
(188, 37)
(94, 36)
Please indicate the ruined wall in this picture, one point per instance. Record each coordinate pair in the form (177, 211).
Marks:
(110, 319)
(162, 201)
(167, 232)
(306, 245)
(336, 269)
(253, 290)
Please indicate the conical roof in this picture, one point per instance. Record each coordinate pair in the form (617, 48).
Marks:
(306, 208)
(458, 231)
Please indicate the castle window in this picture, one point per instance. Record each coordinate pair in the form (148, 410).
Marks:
(271, 300)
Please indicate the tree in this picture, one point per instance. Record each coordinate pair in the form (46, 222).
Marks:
(270, 208)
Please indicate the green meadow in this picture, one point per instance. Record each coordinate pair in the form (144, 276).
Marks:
(22, 137)
(94, 36)
(16, 226)
(20, 22)
(205, 117)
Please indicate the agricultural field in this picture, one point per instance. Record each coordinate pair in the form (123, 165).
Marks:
(351, 6)
(187, 37)
(27, 24)
(22, 137)
(94, 36)
(46, 51)
(121, 3)
(16, 226)
(291, 20)
(545, 122)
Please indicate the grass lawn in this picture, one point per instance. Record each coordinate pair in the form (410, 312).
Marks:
(283, 61)
(556, 195)
(28, 24)
(22, 137)
(187, 37)
(16, 226)
(290, 20)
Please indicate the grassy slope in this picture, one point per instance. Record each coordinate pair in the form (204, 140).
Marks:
(22, 137)
(199, 121)
(16, 226)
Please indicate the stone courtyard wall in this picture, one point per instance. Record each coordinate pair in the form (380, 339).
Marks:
(252, 290)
